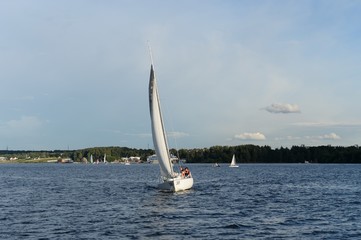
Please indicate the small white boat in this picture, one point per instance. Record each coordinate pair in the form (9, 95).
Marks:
(233, 162)
(170, 180)
(152, 159)
(216, 165)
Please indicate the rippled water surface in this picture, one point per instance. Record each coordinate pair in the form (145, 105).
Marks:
(254, 201)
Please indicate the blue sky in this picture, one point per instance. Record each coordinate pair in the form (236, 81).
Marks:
(279, 73)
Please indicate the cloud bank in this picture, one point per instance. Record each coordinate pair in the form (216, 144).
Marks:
(24, 125)
(331, 136)
(250, 136)
(327, 124)
(282, 108)
(177, 134)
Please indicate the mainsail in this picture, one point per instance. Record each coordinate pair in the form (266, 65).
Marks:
(158, 132)
(233, 162)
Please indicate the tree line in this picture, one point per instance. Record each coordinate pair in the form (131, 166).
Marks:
(265, 154)
(220, 154)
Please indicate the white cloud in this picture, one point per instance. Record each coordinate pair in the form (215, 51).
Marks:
(282, 108)
(331, 136)
(25, 122)
(250, 136)
(327, 124)
(149, 135)
(141, 135)
(177, 134)
(22, 126)
(289, 138)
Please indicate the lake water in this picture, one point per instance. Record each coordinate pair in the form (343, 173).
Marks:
(254, 201)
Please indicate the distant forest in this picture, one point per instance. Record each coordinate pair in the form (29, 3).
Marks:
(219, 154)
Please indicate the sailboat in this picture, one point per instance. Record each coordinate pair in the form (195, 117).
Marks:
(170, 180)
(233, 162)
(91, 158)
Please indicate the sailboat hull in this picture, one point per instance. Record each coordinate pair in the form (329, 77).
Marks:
(176, 184)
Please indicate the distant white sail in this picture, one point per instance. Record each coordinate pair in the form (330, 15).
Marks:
(233, 162)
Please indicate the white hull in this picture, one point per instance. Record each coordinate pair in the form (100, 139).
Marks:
(233, 166)
(176, 184)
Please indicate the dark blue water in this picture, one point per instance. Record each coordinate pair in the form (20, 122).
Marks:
(254, 201)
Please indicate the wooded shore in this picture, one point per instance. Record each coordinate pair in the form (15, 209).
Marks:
(220, 154)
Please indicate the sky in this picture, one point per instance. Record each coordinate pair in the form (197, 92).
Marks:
(74, 74)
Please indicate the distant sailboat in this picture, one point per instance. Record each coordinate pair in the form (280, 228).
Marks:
(233, 162)
(105, 158)
(91, 158)
(170, 180)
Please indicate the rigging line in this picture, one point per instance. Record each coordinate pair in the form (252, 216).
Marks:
(170, 124)
(175, 141)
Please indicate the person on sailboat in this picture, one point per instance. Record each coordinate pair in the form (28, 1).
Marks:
(182, 170)
(187, 172)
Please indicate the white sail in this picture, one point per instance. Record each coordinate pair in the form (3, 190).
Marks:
(158, 132)
(233, 162)
(91, 158)
(170, 180)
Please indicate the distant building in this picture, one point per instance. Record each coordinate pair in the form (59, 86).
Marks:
(154, 159)
(65, 160)
(134, 159)
(131, 159)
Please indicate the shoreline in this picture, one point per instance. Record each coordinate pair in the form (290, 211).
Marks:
(42, 160)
